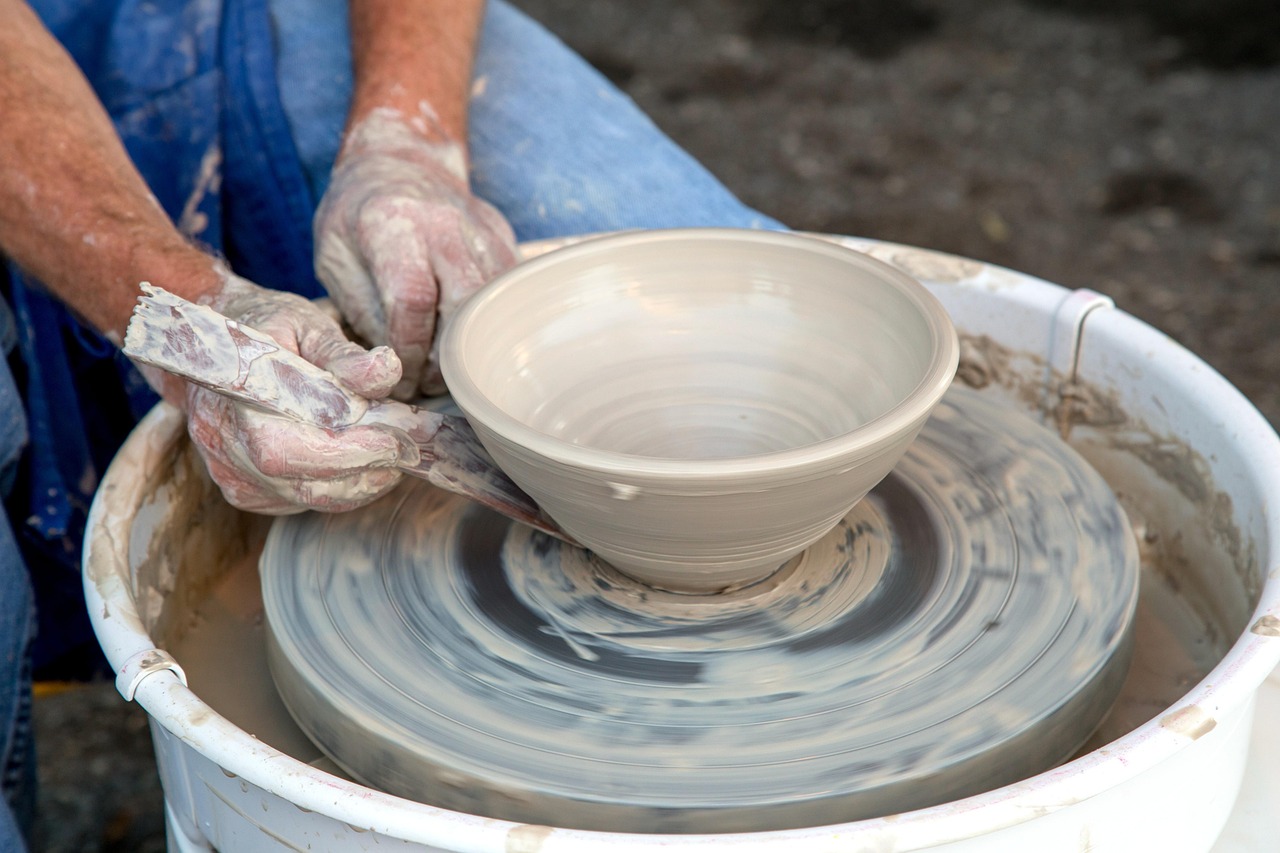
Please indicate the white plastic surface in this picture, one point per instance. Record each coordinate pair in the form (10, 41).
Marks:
(1254, 825)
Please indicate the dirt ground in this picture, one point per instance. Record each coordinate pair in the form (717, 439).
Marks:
(1127, 146)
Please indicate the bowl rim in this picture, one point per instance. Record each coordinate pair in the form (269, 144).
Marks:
(860, 441)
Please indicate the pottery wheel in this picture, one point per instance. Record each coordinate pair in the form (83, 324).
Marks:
(965, 626)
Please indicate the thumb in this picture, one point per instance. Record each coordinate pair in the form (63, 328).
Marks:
(369, 373)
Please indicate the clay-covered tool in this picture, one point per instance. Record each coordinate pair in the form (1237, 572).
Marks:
(199, 344)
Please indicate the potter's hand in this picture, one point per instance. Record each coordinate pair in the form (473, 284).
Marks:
(270, 464)
(401, 242)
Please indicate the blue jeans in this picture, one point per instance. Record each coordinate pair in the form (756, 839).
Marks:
(17, 620)
(554, 145)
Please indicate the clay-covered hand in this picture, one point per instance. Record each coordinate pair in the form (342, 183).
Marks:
(274, 465)
(401, 242)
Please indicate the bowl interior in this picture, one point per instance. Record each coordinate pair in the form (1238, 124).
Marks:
(698, 346)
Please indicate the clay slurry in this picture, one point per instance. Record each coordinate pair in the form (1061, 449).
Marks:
(439, 652)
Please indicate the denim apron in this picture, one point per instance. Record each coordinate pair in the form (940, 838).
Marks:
(191, 88)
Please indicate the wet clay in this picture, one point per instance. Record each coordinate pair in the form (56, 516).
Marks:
(1185, 525)
(699, 405)
(1154, 475)
(965, 626)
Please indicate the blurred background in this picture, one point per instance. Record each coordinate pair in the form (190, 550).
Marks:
(1127, 146)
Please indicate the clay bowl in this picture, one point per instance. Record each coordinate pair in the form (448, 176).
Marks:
(697, 406)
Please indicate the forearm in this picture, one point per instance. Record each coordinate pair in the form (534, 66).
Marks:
(74, 212)
(415, 58)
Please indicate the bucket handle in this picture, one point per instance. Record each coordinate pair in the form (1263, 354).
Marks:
(142, 664)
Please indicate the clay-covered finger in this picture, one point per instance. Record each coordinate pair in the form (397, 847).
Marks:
(284, 496)
(369, 373)
(342, 271)
(500, 252)
(346, 493)
(460, 274)
(211, 425)
(290, 479)
(396, 237)
(279, 447)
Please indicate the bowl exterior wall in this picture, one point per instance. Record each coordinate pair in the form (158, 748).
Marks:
(695, 534)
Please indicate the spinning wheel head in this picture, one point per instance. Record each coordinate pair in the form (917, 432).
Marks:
(968, 624)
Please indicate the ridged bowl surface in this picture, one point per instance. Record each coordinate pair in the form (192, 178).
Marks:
(697, 406)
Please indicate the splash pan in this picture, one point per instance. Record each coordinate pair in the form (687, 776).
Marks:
(1178, 763)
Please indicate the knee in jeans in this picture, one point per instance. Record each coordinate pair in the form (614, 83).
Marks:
(13, 418)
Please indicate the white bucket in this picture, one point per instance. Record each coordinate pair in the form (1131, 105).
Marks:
(1194, 463)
